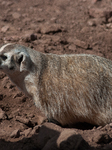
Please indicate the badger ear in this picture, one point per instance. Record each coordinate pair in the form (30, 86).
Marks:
(24, 62)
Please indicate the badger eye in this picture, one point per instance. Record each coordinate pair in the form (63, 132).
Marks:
(3, 57)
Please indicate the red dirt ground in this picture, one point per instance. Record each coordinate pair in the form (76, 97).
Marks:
(60, 27)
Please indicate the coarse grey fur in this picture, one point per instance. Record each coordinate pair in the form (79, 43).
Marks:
(68, 88)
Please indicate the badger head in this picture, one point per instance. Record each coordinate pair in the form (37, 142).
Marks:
(14, 59)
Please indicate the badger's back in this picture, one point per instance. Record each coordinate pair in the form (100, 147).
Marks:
(77, 88)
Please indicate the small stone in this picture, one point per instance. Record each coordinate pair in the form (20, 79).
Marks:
(95, 1)
(24, 121)
(110, 125)
(35, 129)
(33, 37)
(107, 14)
(96, 12)
(85, 29)
(26, 132)
(102, 138)
(19, 94)
(110, 20)
(15, 134)
(46, 132)
(69, 140)
(100, 12)
(40, 20)
(5, 28)
(2, 114)
(91, 23)
(99, 127)
(51, 29)
(2, 75)
(109, 25)
(30, 37)
(26, 38)
(9, 3)
(24, 98)
(1, 97)
(81, 44)
(16, 15)
(53, 19)
(40, 9)
(72, 47)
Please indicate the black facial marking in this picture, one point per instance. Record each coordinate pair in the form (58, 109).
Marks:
(20, 59)
(3, 57)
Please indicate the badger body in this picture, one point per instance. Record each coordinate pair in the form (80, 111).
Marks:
(67, 88)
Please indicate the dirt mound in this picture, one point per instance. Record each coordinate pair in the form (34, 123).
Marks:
(60, 27)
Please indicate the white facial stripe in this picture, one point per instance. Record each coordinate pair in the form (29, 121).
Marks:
(2, 48)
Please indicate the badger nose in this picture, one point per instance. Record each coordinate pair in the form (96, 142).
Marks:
(10, 67)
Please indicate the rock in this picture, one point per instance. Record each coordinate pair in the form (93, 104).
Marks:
(100, 12)
(5, 28)
(26, 38)
(91, 22)
(26, 19)
(53, 19)
(102, 138)
(96, 21)
(15, 134)
(52, 144)
(78, 43)
(23, 99)
(2, 75)
(109, 25)
(7, 3)
(46, 132)
(11, 38)
(19, 94)
(35, 129)
(96, 12)
(84, 30)
(81, 44)
(2, 114)
(110, 125)
(1, 97)
(16, 15)
(26, 132)
(51, 29)
(110, 20)
(53, 137)
(33, 37)
(107, 14)
(72, 47)
(30, 37)
(40, 119)
(95, 1)
(99, 127)
(40, 19)
(69, 140)
(24, 121)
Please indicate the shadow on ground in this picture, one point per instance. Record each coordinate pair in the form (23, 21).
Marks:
(49, 139)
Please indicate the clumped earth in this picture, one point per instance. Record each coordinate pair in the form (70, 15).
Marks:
(59, 27)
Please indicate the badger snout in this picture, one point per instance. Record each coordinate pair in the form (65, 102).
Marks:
(6, 62)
